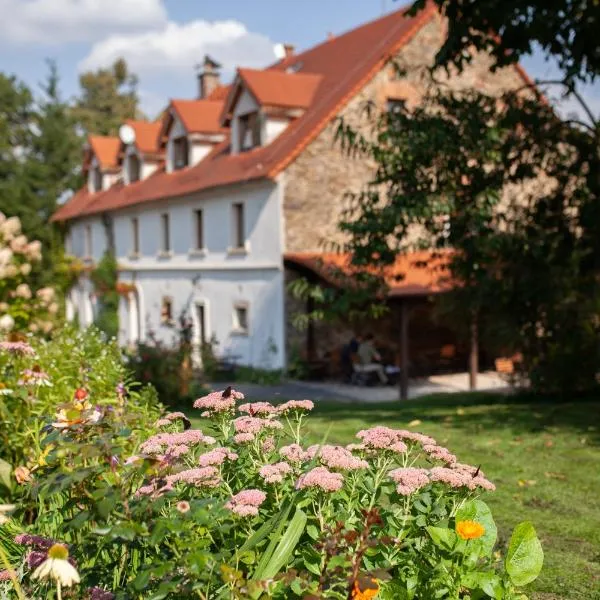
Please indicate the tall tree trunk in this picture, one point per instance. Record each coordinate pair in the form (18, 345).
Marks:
(404, 358)
(473, 354)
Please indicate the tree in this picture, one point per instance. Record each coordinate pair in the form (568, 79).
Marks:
(108, 98)
(565, 30)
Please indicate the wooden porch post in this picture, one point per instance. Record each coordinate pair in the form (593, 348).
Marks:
(473, 354)
(310, 330)
(404, 316)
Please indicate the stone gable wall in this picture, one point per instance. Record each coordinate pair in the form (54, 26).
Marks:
(318, 180)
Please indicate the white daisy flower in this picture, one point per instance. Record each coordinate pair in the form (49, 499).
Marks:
(58, 568)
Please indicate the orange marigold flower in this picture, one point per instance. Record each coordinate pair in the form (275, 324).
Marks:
(469, 530)
(362, 592)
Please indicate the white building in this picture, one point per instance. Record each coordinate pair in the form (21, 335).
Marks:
(206, 208)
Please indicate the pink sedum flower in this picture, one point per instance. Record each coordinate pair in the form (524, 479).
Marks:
(191, 437)
(246, 503)
(409, 480)
(337, 457)
(243, 438)
(183, 506)
(257, 408)
(294, 453)
(439, 453)
(216, 457)
(295, 406)
(217, 403)
(458, 478)
(200, 477)
(320, 478)
(254, 425)
(275, 473)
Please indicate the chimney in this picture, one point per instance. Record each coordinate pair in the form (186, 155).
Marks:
(330, 36)
(289, 50)
(208, 77)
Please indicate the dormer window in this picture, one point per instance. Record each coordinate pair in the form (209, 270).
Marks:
(134, 168)
(249, 131)
(180, 153)
(97, 179)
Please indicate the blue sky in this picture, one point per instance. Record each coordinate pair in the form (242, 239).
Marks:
(164, 39)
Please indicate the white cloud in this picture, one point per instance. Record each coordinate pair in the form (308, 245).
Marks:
(59, 21)
(178, 47)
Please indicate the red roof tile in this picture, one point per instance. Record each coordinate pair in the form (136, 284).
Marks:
(199, 116)
(146, 135)
(413, 274)
(105, 149)
(344, 64)
(219, 93)
(280, 88)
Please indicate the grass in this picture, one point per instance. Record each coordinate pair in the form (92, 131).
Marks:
(543, 456)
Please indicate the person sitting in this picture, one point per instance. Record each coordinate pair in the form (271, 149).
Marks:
(369, 359)
(348, 353)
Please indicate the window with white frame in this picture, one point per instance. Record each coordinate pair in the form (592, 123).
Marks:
(180, 153)
(249, 131)
(135, 236)
(199, 229)
(238, 235)
(395, 105)
(165, 233)
(134, 168)
(87, 249)
(97, 179)
(240, 318)
(166, 311)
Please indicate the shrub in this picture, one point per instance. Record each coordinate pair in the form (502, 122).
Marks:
(240, 509)
(21, 307)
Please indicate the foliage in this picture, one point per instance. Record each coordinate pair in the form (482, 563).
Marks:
(21, 307)
(463, 171)
(105, 277)
(35, 386)
(565, 31)
(240, 510)
(39, 146)
(167, 366)
(108, 98)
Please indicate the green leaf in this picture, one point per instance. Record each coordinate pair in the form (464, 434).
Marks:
(525, 556)
(487, 582)
(266, 528)
(478, 511)
(285, 547)
(5, 471)
(443, 537)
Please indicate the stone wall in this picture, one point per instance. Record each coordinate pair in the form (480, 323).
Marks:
(317, 181)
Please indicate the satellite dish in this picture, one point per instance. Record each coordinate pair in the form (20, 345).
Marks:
(279, 50)
(127, 134)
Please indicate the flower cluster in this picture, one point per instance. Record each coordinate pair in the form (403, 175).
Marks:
(257, 408)
(173, 417)
(337, 457)
(217, 403)
(200, 477)
(246, 503)
(295, 406)
(217, 457)
(175, 442)
(18, 347)
(409, 480)
(275, 473)
(320, 478)
(294, 453)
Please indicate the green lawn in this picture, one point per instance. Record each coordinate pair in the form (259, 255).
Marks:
(543, 457)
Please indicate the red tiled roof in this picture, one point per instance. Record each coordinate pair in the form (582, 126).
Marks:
(280, 88)
(105, 149)
(146, 135)
(344, 64)
(413, 274)
(219, 93)
(199, 116)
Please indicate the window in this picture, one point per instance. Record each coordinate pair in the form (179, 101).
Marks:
(180, 153)
(166, 311)
(240, 318)
(199, 220)
(238, 237)
(396, 105)
(166, 234)
(97, 179)
(88, 241)
(135, 236)
(249, 131)
(134, 168)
